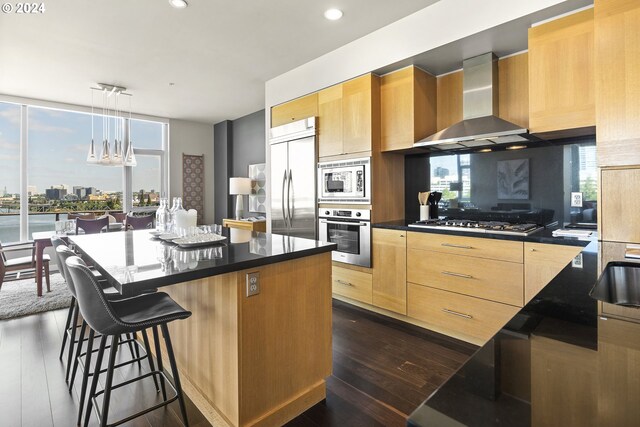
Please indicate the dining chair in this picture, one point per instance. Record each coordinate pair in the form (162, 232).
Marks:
(16, 268)
(81, 215)
(92, 226)
(119, 216)
(139, 222)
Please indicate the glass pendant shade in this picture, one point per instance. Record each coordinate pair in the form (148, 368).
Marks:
(105, 155)
(116, 159)
(130, 158)
(91, 157)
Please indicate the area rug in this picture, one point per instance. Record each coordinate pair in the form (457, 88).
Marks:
(19, 298)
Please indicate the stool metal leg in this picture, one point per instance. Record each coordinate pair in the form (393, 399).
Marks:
(78, 351)
(74, 327)
(109, 381)
(67, 325)
(176, 375)
(156, 341)
(135, 348)
(147, 349)
(94, 380)
(85, 374)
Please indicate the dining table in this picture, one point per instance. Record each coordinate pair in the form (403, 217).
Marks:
(42, 240)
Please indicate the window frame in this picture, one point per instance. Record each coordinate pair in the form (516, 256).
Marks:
(127, 181)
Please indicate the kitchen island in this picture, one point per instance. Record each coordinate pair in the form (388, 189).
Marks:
(256, 352)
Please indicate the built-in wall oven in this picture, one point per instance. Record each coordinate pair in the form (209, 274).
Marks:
(350, 229)
(345, 181)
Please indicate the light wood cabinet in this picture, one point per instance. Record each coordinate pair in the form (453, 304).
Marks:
(352, 284)
(513, 89)
(472, 319)
(330, 121)
(349, 117)
(357, 112)
(503, 250)
(617, 81)
(564, 384)
(390, 270)
(483, 278)
(298, 109)
(543, 262)
(407, 108)
(449, 103)
(620, 205)
(561, 76)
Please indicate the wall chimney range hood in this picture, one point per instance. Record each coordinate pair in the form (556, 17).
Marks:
(481, 126)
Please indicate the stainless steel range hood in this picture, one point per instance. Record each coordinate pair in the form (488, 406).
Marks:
(481, 126)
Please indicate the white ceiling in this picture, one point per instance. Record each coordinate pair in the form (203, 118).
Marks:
(218, 53)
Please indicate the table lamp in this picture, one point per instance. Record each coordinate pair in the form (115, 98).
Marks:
(239, 187)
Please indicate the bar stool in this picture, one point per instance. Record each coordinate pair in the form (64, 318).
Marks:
(116, 318)
(73, 314)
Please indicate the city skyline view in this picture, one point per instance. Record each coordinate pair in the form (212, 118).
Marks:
(58, 143)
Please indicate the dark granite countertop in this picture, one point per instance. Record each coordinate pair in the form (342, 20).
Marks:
(542, 236)
(132, 261)
(555, 361)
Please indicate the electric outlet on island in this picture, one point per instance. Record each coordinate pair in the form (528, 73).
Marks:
(253, 284)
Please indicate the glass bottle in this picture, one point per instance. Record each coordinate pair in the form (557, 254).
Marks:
(177, 206)
(162, 216)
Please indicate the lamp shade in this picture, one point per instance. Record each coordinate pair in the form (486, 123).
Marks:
(239, 185)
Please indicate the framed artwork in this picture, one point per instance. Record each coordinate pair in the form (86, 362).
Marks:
(193, 184)
(513, 179)
(258, 195)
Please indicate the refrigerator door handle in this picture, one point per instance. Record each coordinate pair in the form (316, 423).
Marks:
(289, 210)
(284, 180)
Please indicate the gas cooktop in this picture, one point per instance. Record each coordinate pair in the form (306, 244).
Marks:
(496, 227)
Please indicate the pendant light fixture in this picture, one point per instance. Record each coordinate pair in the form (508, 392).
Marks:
(112, 116)
(91, 157)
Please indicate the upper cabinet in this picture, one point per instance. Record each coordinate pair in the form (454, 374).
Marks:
(298, 109)
(408, 108)
(449, 89)
(349, 116)
(513, 89)
(617, 53)
(561, 76)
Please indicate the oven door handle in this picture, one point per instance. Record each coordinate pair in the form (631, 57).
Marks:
(357, 224)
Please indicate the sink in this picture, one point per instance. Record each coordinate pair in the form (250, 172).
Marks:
(619, 284)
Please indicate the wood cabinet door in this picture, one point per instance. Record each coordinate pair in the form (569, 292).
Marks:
(617, 83)
(543, 262)
(330, 121)
(396, 110)
(449, 99)
(513, 89)
(390, 270)
(561, 74)
(357, 113)
(620, 205)
(298, 109)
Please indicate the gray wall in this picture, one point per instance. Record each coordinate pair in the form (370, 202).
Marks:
(237, 144)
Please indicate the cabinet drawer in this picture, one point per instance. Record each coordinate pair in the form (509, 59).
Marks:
(630, 313)
(483, 278)
(472, 246)
(352, 284)
(468, 318)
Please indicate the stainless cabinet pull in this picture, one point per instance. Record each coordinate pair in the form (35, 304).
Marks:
(451, 273)
(455, 313)
(451, 245)
(342, 282)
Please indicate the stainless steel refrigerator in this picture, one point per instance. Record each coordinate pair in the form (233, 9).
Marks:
(293, 179)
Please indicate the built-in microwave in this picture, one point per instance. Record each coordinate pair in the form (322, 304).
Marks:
(345, 181)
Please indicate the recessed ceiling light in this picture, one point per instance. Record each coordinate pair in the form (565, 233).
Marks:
(178, 4)
(333, 14)
(516, 147)
(485, 150)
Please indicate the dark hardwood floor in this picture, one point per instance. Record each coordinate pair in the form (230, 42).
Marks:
(382, 370)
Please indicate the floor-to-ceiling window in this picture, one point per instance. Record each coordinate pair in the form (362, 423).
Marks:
(9, 172)
(55, 177)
